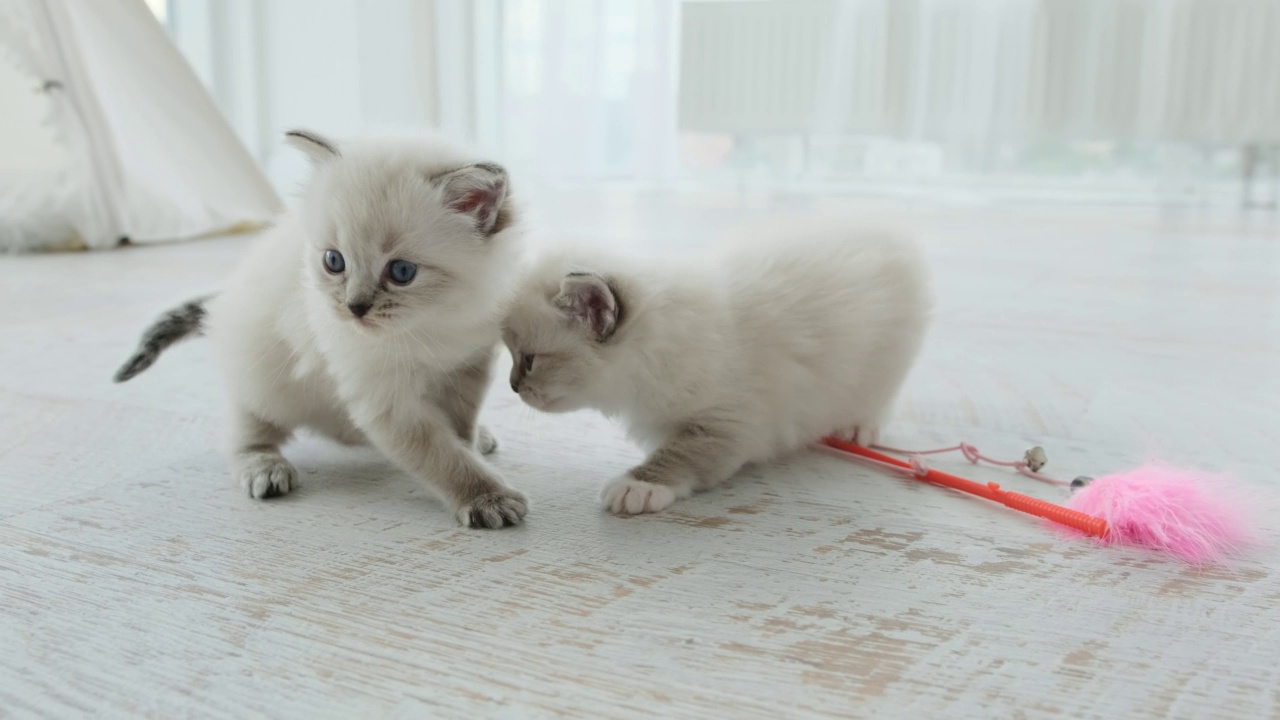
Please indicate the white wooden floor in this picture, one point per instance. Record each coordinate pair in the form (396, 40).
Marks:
(136, 581)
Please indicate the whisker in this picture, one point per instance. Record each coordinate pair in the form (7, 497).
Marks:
(266, 352)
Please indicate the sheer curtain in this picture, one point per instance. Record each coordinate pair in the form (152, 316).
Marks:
(1096, 97)
(338, 66)
(1175, 70)
(1104, 94)
(569, 89)
(588, 87)
(1109, 97)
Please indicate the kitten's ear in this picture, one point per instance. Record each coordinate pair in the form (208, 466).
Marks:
(586, 298)
(477, 191)
(316, 147)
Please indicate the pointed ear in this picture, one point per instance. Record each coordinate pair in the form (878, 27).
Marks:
(315, 146)
(586, 298)
(477, 191)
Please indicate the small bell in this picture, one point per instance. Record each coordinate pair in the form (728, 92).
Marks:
(1035, 458)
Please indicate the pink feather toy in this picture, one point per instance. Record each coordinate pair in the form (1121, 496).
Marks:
(1200, 518)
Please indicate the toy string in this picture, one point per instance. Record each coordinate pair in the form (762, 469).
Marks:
(973, 455)
(991, 491)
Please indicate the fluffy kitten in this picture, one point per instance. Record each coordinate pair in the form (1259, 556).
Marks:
(372, 315)
(732, 358)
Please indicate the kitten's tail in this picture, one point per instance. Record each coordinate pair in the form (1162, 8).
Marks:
(184, 321)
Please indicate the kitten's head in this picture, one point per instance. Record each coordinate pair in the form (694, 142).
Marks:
(403, 231)
(559, 332)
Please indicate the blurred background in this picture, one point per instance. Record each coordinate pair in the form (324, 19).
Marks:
(1171, 104)
(1116, 100)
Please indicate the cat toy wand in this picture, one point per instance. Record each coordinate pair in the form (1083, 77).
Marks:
(1087, 524)
(1197, 517)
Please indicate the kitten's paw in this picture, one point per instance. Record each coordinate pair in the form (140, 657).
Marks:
(494, 510)
(265, 475)
(486, 443)
(866, 435)
(629, 496)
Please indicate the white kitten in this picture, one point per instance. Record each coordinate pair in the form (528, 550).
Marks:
(736, 357)
(370, 315)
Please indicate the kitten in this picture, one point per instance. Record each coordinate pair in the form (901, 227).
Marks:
(369, 315)
(734, 358)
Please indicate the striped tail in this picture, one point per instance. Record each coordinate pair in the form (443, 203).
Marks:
(186, 320)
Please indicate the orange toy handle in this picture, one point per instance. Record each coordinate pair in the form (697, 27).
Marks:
(1087, 524)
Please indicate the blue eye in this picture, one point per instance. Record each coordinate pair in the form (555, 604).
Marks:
(401, 271)
(333, 261)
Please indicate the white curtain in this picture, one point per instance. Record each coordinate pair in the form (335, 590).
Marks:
(560, 88)
(342, 67)
(696, 90)
(1177, 70)
(588, 87)
(655, 90)
(972, 70)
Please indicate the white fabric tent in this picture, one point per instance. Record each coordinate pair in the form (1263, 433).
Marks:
(108, 134)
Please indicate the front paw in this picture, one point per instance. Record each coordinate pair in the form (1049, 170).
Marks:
(865, 434)
(494, 510)
(629, 496)
(265, 475)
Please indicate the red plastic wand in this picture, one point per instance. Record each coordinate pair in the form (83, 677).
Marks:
(1087, 524)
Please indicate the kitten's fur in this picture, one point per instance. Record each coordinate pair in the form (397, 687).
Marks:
(408, 376)
(733, 358)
